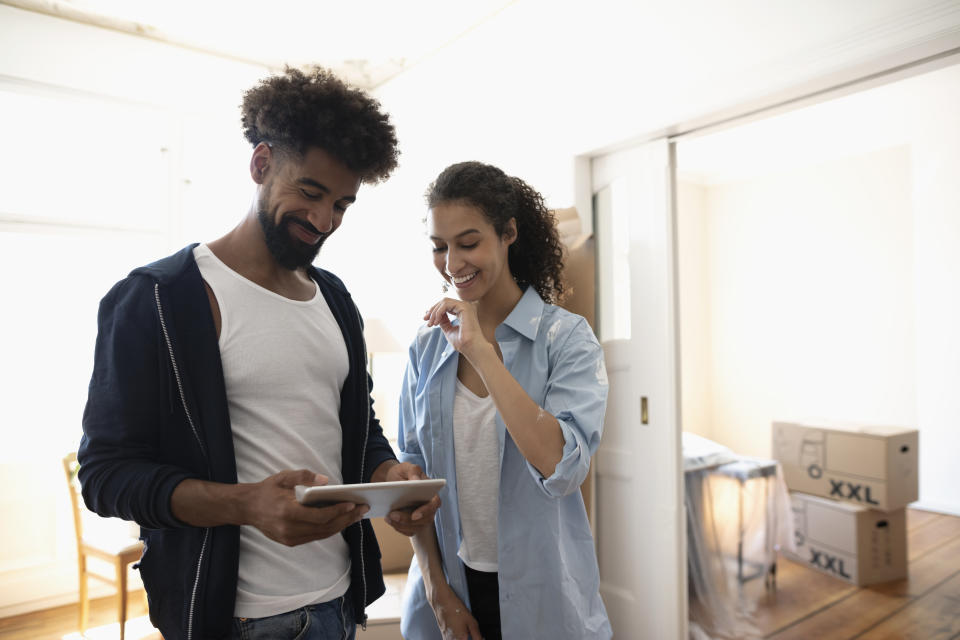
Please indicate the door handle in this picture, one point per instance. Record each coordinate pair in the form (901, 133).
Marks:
(644, 415)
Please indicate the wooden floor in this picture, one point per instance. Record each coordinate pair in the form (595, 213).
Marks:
(807, 604)
(925, 606)
(61, 622)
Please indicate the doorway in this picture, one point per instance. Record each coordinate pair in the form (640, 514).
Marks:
(818, 264)
(813, 271)
(819, 272)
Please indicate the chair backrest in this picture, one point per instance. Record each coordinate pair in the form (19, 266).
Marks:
(70, 467)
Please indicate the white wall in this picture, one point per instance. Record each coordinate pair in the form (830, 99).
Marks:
(194, 98)
(936, 236)
(543, 82)
(696, 397)
(831, 283)
(806, 269)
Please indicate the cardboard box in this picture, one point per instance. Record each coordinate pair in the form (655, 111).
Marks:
(396, 552)
(872, 466)
(579, 267)
(859, 545)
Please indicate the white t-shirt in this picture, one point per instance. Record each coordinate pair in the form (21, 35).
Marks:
(284, 364)
(477, 456)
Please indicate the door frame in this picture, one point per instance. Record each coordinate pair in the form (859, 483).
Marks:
(639, 462)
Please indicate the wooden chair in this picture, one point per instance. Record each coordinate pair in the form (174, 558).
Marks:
(117, 547)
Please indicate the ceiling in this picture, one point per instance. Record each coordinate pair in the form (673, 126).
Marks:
(367, 42)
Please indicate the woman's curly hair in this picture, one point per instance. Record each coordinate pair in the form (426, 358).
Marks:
(296, 111)
(536, 256)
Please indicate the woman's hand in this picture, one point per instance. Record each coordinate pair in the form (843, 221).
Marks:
(455, 620)
(409, 522)
(466, 336)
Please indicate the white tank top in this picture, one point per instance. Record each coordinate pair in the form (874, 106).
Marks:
(477, 456)
(284, 364)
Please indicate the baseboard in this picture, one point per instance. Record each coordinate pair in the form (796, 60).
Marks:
(938, 507)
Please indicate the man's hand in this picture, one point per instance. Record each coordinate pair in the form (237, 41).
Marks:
(272, 508)
(406, 522)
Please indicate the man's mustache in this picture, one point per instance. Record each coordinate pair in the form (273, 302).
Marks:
(306, 225)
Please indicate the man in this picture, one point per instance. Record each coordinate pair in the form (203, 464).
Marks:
(229, 373)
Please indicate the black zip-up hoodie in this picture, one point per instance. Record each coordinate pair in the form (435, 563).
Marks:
(157, 414)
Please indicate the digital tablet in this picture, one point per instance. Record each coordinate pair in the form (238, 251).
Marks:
(383, 497)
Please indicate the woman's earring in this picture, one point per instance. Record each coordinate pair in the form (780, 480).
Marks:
(445, 286)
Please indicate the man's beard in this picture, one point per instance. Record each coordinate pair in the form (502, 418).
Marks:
(289, 252)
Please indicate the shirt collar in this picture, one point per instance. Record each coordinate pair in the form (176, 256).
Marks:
(526, 315)
(524, 319)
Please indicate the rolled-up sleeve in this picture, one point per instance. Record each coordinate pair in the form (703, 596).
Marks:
(407, 416)
(576, 395)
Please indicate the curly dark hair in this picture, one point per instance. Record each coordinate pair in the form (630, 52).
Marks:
(536, 256)
(298, 110)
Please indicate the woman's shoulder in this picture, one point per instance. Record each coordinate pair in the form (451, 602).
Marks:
(560, 326)
(429, 343)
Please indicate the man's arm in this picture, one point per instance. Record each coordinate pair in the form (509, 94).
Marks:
(269, 505)
(119, 472)
(380, 473)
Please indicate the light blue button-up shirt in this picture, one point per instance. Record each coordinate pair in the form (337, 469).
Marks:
(549, 582)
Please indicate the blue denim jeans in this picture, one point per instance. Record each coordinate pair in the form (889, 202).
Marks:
(333, 620)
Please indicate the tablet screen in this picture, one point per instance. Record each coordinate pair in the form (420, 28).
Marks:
(383, 497)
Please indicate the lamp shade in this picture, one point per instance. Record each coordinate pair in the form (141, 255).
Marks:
(378, 337)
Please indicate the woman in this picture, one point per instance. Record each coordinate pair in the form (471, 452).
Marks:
(506, 402)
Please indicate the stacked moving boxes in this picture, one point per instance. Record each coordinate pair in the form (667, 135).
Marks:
(849, 489)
